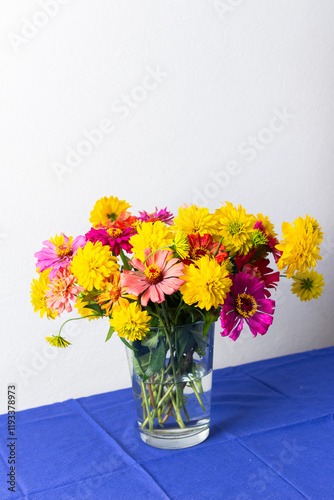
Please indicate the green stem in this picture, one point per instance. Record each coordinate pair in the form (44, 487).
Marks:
(147, 406)
(185, 411)
(177, 410)
(193, 386)
(199, 385)
(76, 319)
(157, 250)
(179, 310)
(220, 241)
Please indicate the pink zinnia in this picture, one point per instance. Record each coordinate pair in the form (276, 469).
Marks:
(62, 291)
(116, 237)
(58, 252)
(162, 215)
(155, 278)
(246, 302)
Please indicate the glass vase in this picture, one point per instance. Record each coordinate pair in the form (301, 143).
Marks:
(171, 374)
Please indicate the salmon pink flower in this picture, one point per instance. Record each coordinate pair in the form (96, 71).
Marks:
(246, 302)
(154, 278)
(58, 252)
(62, 291)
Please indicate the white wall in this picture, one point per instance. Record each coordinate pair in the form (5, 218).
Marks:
(225, 69)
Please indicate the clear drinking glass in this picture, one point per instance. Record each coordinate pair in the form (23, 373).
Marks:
(171, 380)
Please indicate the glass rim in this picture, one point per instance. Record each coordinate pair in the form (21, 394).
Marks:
(155, 328)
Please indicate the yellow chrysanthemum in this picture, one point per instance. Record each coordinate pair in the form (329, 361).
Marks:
(181, 244)
(130, 321)
(317, 230)
(107, 209)
(38, 290)
(92, 264)
(235, 227)
(152, 235)
(192, 220)
(84, 311)
(307, 285)
(57, 341)
(300, 245)
(207, 283)
(268, 226)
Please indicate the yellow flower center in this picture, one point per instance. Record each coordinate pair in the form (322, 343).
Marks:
(246, 305)
(64, 251)
(198, 252)
(235, 227)
(114, 232)
(153, 274)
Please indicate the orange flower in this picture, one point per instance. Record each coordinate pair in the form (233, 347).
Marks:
(113, 294)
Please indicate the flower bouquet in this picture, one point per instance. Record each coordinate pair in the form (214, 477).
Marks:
(162, 281)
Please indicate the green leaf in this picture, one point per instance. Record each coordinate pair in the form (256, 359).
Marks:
(157, 360)
(210, 317)
(125, 342)
(110, 332)
(89, 296)
(141, 363)
(137, 368)
(152, 341)
(184, 341)
(94, 307)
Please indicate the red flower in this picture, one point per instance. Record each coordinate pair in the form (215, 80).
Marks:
(204, 245)
(272, 241)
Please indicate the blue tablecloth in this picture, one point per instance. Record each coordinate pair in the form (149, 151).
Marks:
(272, 437)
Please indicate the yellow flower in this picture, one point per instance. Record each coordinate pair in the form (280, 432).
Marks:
(57, 341)
(92, 264)
(206, 284)
(300, 245)
(235, 227)
(84, 311)
(38, 290)
(268, 226)
(107, 209)
(307, 285)
(152, 235)
(192, 220)
(130, 321)
(181, 244)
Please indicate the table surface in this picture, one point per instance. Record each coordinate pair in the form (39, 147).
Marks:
(272, 437)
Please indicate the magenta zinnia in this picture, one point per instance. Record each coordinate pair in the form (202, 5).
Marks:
(63, 291)
(162, 215)
(58, 252)
(154, 278)
(116, 237)
(246, 302)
